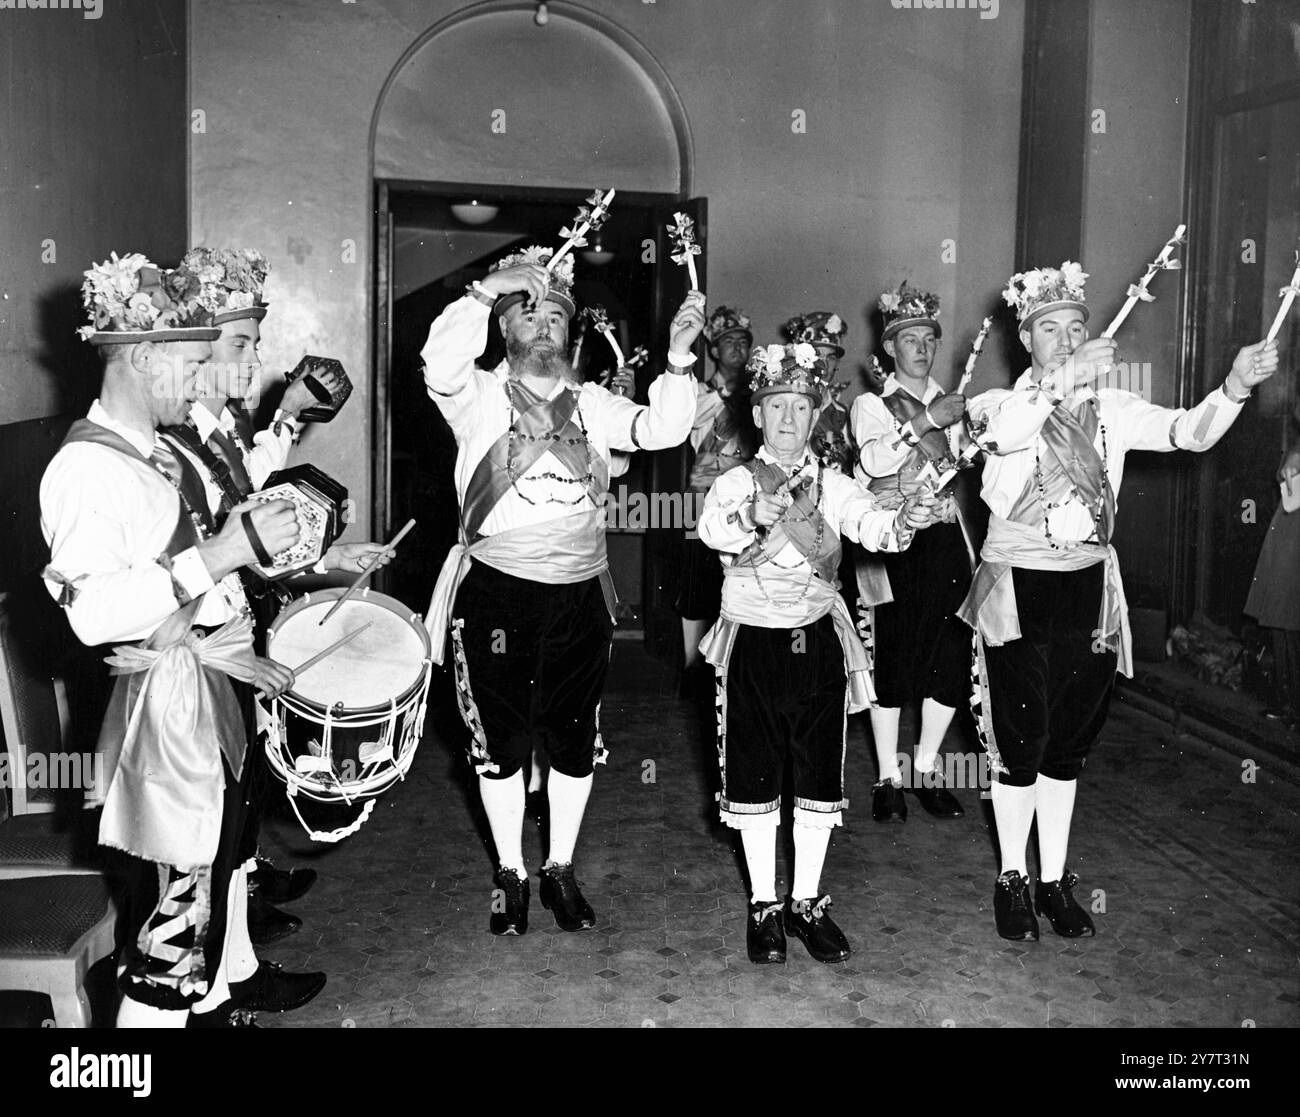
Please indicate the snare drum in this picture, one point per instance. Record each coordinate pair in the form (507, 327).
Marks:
(349, 728)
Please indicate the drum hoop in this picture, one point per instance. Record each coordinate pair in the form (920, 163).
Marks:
(357, 716)
(303, 706)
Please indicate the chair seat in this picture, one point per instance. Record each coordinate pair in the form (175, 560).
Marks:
(38, 841)
(46, 916)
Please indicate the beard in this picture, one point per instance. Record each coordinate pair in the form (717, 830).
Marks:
(538, 357)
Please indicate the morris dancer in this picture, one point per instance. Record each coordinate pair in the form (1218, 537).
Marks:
(533, 615)
(722, 436)
(132, 564)
(1047, 604)
(921, 650)
(831, 440)
(790, 667)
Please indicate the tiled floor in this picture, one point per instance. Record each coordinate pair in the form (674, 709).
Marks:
(1197, 867)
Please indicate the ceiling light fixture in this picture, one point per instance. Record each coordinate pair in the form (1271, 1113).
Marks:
(474, 212)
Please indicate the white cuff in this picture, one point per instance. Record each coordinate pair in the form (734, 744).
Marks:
(679, 361)
(190, 573)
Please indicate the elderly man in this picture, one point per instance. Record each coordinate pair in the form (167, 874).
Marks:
(910, 600)
(789, 663)
(533, 615)
(722, 436)
(1047, 604)
(133, 564)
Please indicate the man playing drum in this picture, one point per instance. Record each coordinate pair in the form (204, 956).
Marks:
(133, 564)
(532, 622)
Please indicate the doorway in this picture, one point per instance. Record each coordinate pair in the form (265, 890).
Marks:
(436, 238)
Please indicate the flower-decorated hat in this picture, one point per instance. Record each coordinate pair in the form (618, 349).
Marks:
(130, 299)
(1032, 293)
(788, 368)
(908, 306)
(228, 282)
(561, 289)
(817, 327)
(726, 320)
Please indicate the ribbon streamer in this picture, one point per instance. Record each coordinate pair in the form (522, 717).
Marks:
(682, 234)
(1138, 292)
(975, 350)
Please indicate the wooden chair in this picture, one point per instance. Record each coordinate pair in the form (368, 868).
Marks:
(57, 918)
(34, 718)
(52, 930)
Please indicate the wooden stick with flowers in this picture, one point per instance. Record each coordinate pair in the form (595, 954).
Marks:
(591, 216)
(1137, 292)
(682, 235)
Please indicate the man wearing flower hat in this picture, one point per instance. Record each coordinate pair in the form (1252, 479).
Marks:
(1047, 604)
(230, 284)
(527, 592)
(832, 435)
(790, 667)
(722, 436)
(909, 601)
(134, 567)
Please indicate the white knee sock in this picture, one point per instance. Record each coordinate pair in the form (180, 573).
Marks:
(236, 914)
(503, 801)
(538, 770)
(810, 844)
(568, 799)
(760, 859)
(239, 946)
(134, 1014)
(884, 731)
(1055, 805)
(935, 719)
(1013, 810)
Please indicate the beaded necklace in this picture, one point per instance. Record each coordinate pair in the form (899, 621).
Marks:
(1049, 506)
(817, 542)
(515, 436)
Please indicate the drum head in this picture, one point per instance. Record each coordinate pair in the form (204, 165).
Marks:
(385, 663)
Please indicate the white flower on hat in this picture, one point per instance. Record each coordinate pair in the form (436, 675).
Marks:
(834, 325)
(140, 310)
(239, 300)
(805, 355)
(773, 355)
(889, 302)
(1074, 275)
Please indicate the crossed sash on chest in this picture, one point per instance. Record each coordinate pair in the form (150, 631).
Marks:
(171, 719)
(1070, 469)
(930, 447)
(541, 426)
(802, 526)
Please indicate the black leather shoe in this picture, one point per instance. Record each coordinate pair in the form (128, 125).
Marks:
(764, 934)
(512, 897)
(267, 924)
(934, 797)
(560, 894)
(281, 886)
(887, 802)
(808, 922)
(270, 989)
(1055, 900)
(1011, 908)
(223, 1017)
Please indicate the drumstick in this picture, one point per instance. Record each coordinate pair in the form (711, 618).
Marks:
(374, 563)
(302, 667)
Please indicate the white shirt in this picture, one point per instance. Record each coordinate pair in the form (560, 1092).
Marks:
(270, 451)
(882, 450)
(848, 510)
(475, 404)
(107, 519)
(1013, 442)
